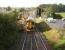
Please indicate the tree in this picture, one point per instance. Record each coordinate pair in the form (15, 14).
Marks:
(56, 8)
(8, 8)
(39, 11)
(15, 12)
(48, 11)
(22, 9)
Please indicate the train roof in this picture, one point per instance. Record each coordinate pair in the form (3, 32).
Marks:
(30, 18)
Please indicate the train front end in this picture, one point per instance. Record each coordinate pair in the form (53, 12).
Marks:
(30, 23)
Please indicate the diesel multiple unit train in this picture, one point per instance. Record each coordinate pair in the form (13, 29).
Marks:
(26, 23)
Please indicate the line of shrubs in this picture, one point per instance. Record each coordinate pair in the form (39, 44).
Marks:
(8, 30)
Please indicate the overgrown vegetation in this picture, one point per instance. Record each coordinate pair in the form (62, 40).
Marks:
(8, 30)
(56, 16)
(42, 26)
(54, 36)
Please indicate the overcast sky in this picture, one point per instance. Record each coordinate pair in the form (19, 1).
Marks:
(28, 3)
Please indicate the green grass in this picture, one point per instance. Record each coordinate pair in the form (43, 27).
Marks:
(62, 14)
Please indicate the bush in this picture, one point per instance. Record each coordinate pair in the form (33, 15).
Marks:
(42, 26)
(8, 30)
(57, 16)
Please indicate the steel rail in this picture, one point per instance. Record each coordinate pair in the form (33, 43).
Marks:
(24, 41)
(41, 40)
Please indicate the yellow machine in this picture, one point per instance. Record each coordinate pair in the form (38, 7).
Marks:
(29, 25)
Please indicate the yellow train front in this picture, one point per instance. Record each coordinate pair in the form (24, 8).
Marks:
(29, 25)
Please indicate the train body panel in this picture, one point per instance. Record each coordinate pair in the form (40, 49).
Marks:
(29, 25)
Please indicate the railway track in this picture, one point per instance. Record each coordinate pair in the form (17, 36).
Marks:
(29, 43)
(32, 41)
(35, 41)
(42, 41)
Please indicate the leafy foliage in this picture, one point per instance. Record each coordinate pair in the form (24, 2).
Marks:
(56, 8)
(56, 16)
(8, 30)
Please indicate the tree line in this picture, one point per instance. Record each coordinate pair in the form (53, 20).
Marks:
(56, 7)
(50, 10)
